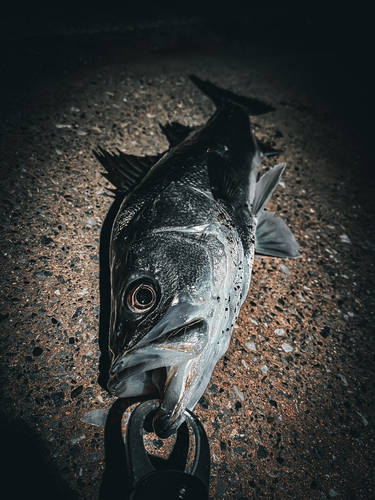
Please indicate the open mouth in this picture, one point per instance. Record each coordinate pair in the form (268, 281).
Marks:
(168, 366)
(144, 370)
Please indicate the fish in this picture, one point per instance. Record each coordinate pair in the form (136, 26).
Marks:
(181, 251)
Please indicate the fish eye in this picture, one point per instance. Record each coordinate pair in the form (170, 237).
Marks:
(141, 298)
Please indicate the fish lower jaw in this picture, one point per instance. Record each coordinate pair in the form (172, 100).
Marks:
(167, 383)
(141, 383)
(164, 424)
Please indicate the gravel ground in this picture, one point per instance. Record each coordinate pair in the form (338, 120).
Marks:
(289, 410)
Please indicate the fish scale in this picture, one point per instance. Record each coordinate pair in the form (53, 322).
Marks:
(181, 252)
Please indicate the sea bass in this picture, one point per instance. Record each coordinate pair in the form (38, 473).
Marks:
(182, 249)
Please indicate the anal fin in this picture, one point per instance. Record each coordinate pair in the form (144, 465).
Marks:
(124, 171)
(273, 237)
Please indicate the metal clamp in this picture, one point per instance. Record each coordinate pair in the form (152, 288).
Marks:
(155, 478)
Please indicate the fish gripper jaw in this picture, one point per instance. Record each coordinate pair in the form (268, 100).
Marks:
(155, 478)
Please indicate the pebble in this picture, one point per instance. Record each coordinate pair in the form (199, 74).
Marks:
(345, 238)
(287, 347)
(239, 394)
(221, 487)
(262, 452)
(94, 457)
(251, 346)
(284, 269)
(96, 417)
(279, 331)
(333, 492)
(77, 439)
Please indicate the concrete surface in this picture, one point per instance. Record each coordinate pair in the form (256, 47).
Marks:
(290, 410)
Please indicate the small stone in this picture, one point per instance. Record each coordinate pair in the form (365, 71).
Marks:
(251, 346)
(45, 240)
(262, 452)
(345, 238)
(333, 492)
(96, 417)
(221, 487)
(239, 394)
(264, 369)
(284, 269)
(279, 331)
(287, 347)
(76, 392)
(78, 312)
(91, 222)
(343, 379)
(203, 402)
(77, 439)
(325, 332)
(94, 457)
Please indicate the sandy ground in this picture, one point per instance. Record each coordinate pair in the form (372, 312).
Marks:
(289, 410)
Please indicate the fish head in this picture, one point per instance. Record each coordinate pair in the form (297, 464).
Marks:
(168, 314)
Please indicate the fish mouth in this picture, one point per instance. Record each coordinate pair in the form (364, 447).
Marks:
(161, 367)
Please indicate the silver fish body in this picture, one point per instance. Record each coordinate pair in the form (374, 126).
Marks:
(181, 254)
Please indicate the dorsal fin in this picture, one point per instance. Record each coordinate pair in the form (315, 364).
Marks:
(175, 132)
(224, 184)
(265, 187)
(124, 171)
(267, 150)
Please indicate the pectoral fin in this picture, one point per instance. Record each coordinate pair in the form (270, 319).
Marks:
(224, 184)
(265, 188)
(273, 237)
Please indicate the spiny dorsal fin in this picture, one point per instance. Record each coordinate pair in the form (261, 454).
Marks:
(224, 184)
(124, 171)
(273, 237)
(265, 188)
(175, 132)
(267, 150)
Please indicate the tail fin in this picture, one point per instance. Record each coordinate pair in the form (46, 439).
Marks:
(218, 96)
